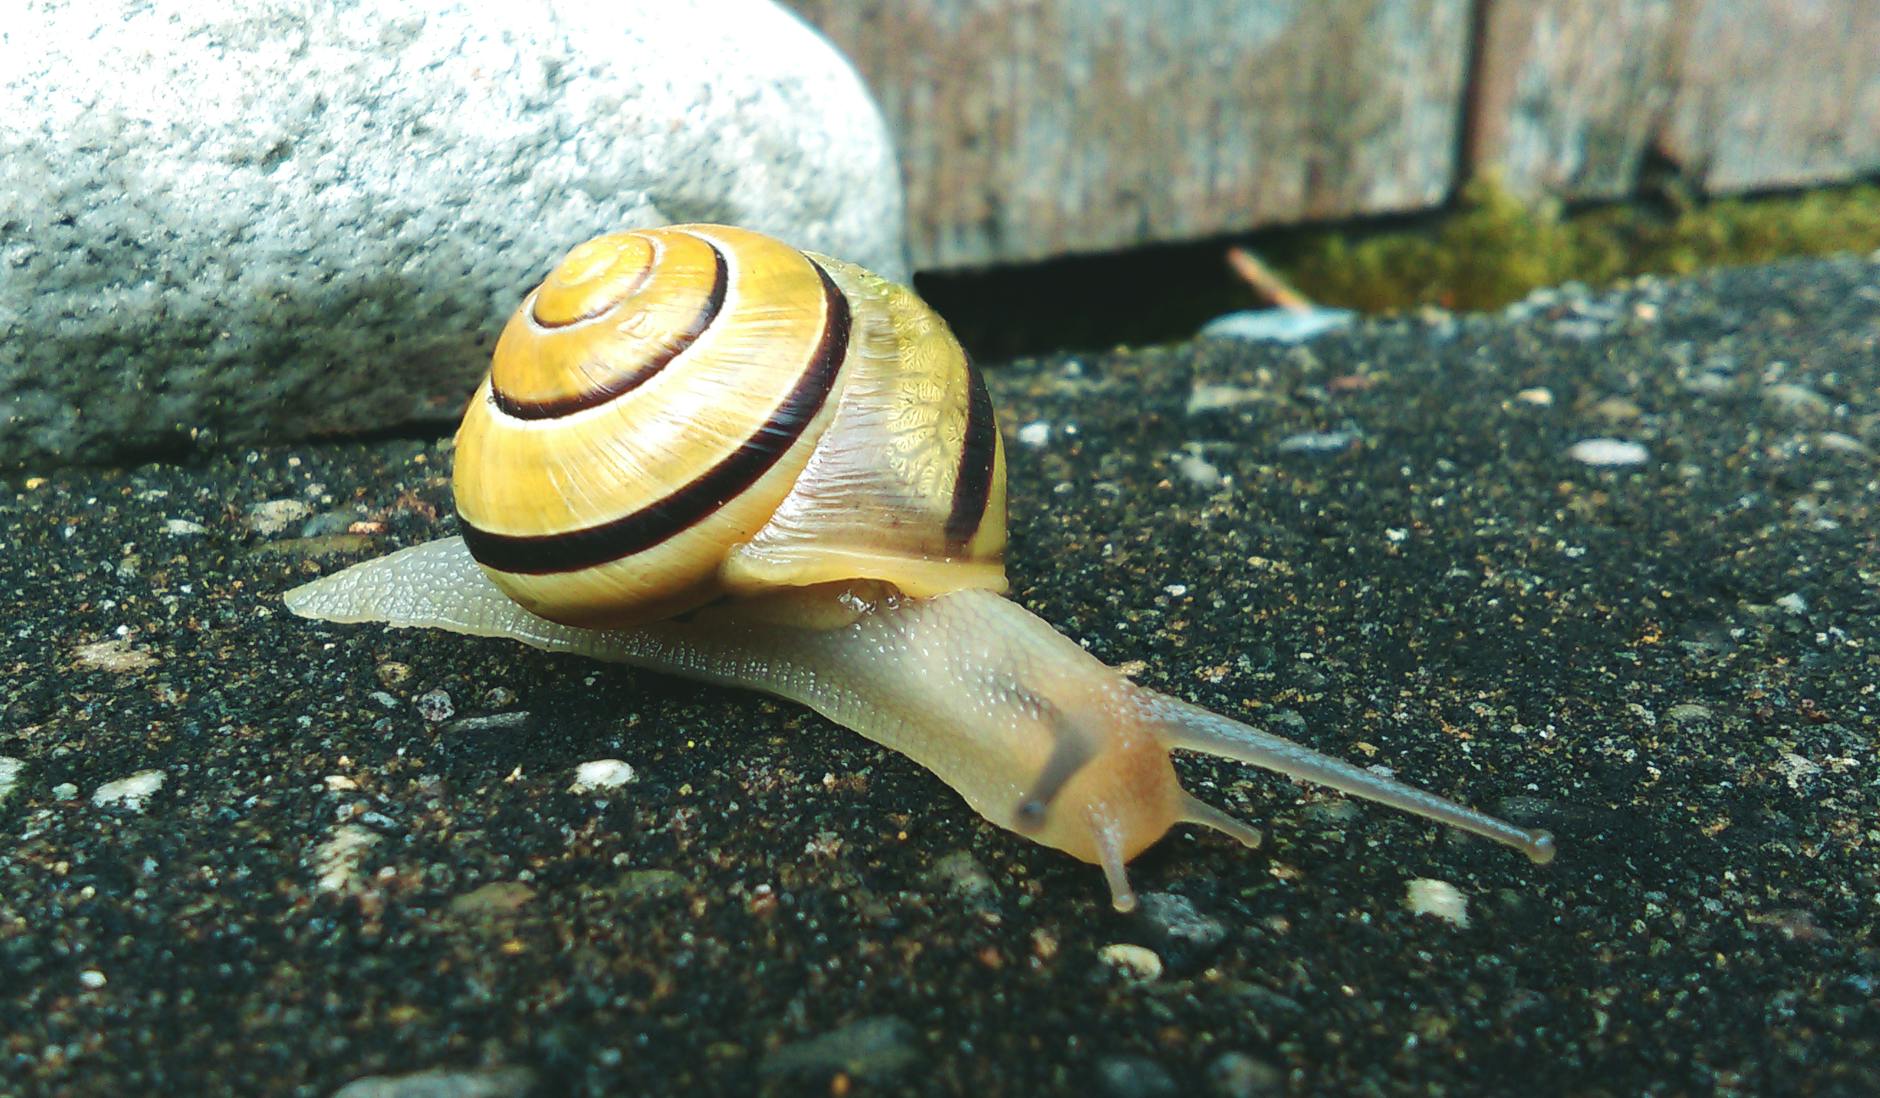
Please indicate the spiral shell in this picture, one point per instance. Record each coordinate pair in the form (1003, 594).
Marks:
(683, 414)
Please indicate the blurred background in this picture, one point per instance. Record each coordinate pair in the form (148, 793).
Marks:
(264, 220)
(1381, 153)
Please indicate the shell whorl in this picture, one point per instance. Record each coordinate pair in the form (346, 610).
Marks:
(680, 414)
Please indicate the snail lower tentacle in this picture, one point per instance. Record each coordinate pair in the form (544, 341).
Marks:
(1037, 735)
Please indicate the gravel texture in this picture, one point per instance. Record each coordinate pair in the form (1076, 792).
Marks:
(268, 219)
(344, 857)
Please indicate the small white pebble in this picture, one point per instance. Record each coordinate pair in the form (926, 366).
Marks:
(340, 783)
(1177, 589)
(1277, 325)
(276, 515)
(601, 774)
(1207, 397)
(1139, 964)
(129, 792)
(183, 528)
(91, 979)
(1608, 452)
(1836, 442)
(1793, 602)
(1197, 470)
(336, 861)
(1036, 433)
(1689, 713)
(1539, 397)
(118, 656)
(493, 722)
(1797, 400)
(1427, 896)
(1316, 442)
(1579, 328)
(10, 771)
(65, 791)
(1796, 770)
(435, 706)
(826, 844)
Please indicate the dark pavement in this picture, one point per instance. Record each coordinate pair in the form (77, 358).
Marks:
(361, 855)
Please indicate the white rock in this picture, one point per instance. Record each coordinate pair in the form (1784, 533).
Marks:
(493, 1082)
(1796, 770)
(1211, 397)
(1426, 896)
(1196, 469)
(436, 706)
(1608, 452)
(1836, 442)
(1797, 400)
(273, 516)
(117, 655)
(336, 861)
(601, 774)
(1317, 442)
(1685, 713)
(1277, 325)
(129, 792)
(1133, 961)
(10, 771)
(262, 217)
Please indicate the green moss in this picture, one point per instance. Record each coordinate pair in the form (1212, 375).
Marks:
(1491, 249)
(1496, 247)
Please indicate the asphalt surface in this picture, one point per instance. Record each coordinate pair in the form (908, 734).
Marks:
(244, 853)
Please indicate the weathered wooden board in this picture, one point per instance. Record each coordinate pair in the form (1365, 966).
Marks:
(1030, 128)
(1567, 92)
(1034, 128)
(1776, 93)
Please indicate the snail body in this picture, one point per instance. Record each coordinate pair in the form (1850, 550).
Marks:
(702, 452)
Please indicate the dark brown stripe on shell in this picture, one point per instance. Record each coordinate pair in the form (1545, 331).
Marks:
(547, 554)
(978, 455)
(625, 383)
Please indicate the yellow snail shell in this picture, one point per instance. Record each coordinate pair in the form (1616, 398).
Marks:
(682, 414)
(704, 452)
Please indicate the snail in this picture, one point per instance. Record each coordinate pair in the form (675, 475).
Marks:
(701, 451)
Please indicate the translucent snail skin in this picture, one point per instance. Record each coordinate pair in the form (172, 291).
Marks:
(703, 452)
